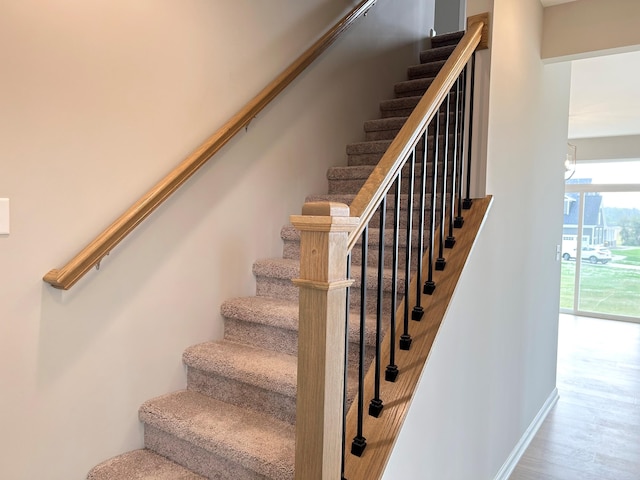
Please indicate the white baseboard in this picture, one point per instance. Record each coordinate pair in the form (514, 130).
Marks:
(525, 440)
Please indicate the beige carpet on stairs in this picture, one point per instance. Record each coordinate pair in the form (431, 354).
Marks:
(236, 419)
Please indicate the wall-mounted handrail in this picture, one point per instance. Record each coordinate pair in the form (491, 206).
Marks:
(66, 276)
(383, 175)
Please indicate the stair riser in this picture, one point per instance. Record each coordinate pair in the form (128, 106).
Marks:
(425, 70)
(197, 459)
(436, 54)
(285, 289)
(375, 132)
(278, 339)
(353, 185)
(396, 112)
(379, 135)
(291, 249)
(411, 93)
(359, 160)
(263, 336)
(372, 159)
(243, 395)
(390, 217)
(446, 39)
(291, 241)
(392, 111)
(412, 88)
(402, 224)
(417, 88)
(404, 106)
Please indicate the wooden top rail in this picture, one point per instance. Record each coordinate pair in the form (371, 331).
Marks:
(384, 174)
(65, 277)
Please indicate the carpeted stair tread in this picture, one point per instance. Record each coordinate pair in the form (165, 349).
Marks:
(424, 70)
(141, 464)
(236, 418)
(258, 443)
(446, 39)
(436, 53)
(266, 369)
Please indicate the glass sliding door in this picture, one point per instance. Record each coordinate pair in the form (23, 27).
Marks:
(601, 250)
(609, 280)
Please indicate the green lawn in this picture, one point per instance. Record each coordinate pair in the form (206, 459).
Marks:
(604, 288)
(631, 254)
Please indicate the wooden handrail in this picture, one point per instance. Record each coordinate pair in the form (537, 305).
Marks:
(383, 175)
(65, 277)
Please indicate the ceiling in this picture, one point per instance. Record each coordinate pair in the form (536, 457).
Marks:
(604, 96)
(549, 3)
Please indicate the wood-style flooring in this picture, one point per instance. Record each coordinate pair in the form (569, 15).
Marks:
(593, 432)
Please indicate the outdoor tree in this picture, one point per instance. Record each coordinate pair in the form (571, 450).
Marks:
(630, 231)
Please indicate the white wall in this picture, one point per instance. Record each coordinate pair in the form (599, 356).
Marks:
(607, 148)
(493, 363)
(99, 100)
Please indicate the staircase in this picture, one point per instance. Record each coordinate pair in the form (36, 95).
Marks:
(236, 418)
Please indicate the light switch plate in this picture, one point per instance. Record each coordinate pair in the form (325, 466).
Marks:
(4, 216)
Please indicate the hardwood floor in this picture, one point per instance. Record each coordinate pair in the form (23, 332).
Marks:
(593, 432)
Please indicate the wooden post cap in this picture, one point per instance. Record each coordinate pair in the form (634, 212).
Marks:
(326, 209)
(325, 217)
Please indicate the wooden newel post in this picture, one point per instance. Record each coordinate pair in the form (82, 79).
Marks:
(324, 228)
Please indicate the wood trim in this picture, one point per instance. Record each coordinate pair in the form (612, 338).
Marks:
(65, 277)
(382, 432)
(484, 18)
(521, 447)
(379, 182)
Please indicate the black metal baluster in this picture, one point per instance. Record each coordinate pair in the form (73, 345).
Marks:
(451, 239)
(459, 220)
(440, 261)
(391, 373)
(466, 204)
(405, 338)
(430, 285)
(376, 405)
(359, 442)
(346, 369)
(418, 311)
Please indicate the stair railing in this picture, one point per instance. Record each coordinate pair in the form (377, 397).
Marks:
(90, 256)
(327, 439)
